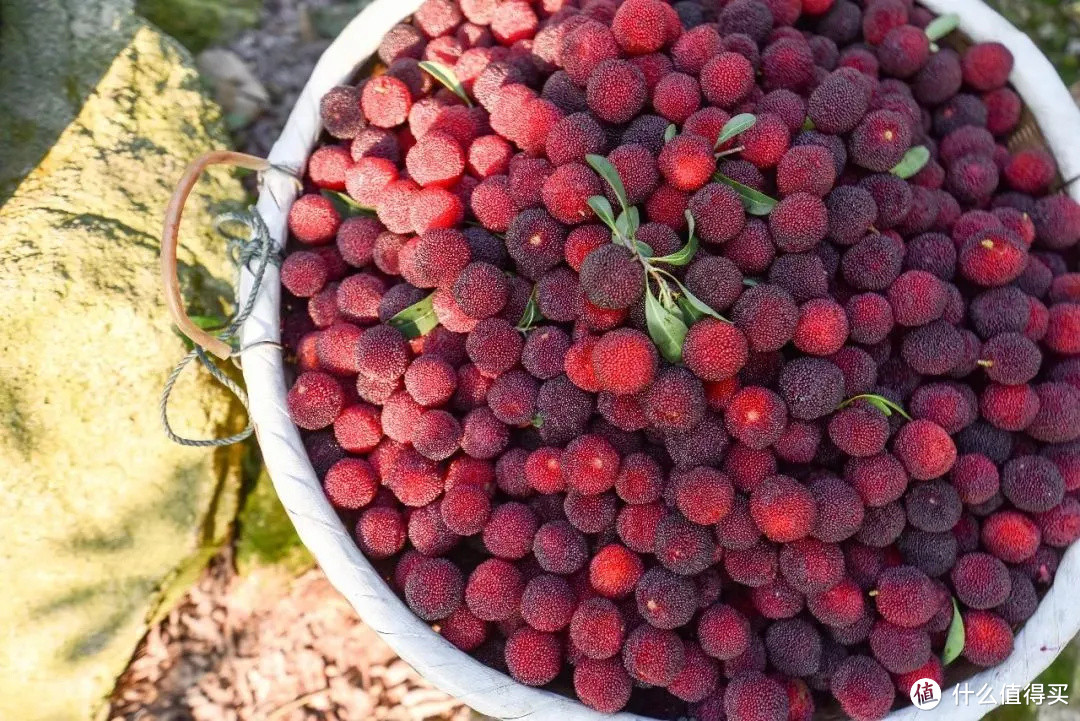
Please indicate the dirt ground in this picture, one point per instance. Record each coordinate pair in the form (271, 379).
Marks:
(265, 647)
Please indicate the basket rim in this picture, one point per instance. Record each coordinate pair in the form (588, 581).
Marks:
(486, 690)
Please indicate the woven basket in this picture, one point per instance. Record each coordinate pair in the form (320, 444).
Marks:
(486, 690)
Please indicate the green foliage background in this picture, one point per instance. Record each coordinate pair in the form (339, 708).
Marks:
(1054, 25)
(198, 24)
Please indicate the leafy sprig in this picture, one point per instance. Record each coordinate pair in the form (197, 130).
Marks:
(954, 640)
(914, 160)
(736, 126)
(882, 403)
(416, 320)
(755, 202)
(670, 307)
(940, 27)
(446, 76)
(345, 205)
(531, 315)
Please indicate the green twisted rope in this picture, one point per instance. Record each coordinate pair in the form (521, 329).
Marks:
(257, 246)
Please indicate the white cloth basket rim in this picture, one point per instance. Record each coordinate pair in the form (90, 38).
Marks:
(486, 690)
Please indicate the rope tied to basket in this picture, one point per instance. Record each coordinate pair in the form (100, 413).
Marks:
(258, 246)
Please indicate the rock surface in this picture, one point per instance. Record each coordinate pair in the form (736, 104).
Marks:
(52, 55)
(236, 89)
(103, 515)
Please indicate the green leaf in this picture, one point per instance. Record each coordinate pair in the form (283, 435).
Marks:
(739, 124)
(602, 208)
(670, 132)
(686, 253)
(208, 322)
(683, 255)
(416, 320)
(446, 76)
(628, 222)
(808, 124)
(954, 641)
(701, 308)
(346, 206)
(690, 314)
(667, 330)
(882, 403)
(531, 314)
(942, 26)
(755, 202)
(537, 421)
(913, 161)
(607, 171)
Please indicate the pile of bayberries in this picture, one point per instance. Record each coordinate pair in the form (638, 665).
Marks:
(714, 359)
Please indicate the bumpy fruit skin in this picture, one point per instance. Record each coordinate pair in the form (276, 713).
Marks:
(380, 532)
(767, 314)
(665, 599)
(794, 647)
(723, 632)
(434, 589)
(616, 91)
(986, 66)
(313, 219)
(783, 509)
(880, 141)
(754, 696)
(340, 112)
(715, 350)
(533, 657)
(863, 688)
(981, 581)
(988, 639)
(676, 97)
(314, 400)
(641, 26)
(925, 449)
(687, 162)
(493, 591)
(726, 78)
(565, 190)
(612, 278)
(717, 211)
(603, 685)
(1032, 483)
(906, 596)
(624, 361)
(653, 655)
(614, 570)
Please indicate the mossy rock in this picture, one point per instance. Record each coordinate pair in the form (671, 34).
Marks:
(198, 24)
(265, 535)
(52, 55)
(104, 516)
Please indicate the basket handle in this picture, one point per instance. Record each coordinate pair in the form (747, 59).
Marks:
(173, 213)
